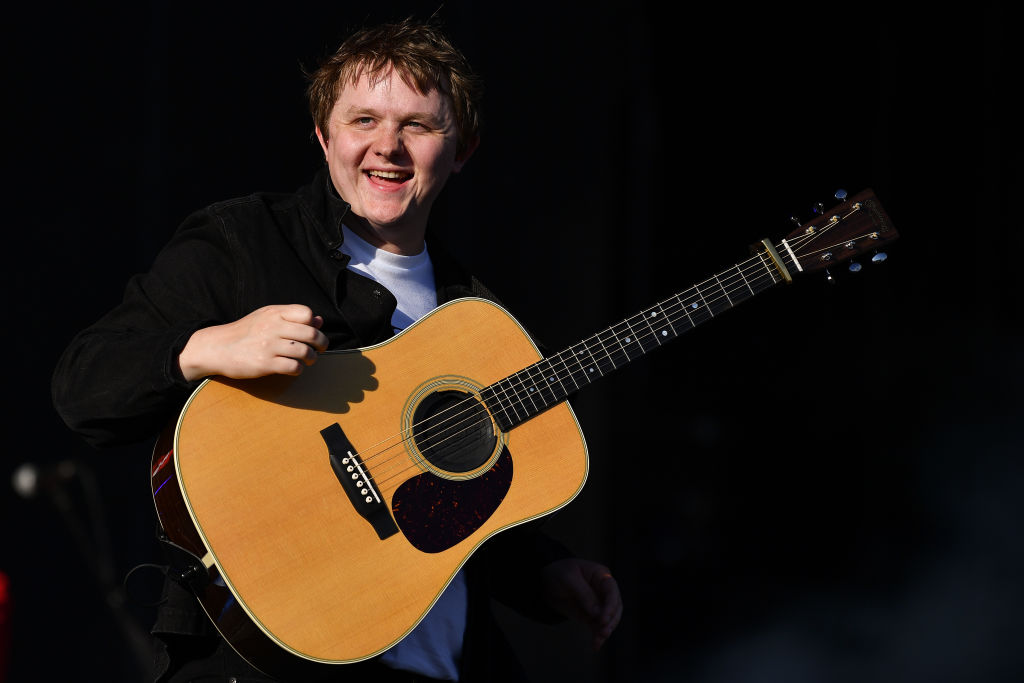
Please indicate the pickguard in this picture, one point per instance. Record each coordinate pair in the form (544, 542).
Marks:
(436, 513)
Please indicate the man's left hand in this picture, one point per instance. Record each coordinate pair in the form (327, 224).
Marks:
(585, 591)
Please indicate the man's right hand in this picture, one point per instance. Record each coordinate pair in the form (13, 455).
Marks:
(273, 340)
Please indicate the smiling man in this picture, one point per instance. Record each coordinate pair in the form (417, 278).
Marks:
(262, 285)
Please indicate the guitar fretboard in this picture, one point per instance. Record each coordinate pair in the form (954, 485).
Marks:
(518, 397)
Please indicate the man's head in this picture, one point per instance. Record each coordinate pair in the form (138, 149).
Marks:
(419, 53)
(396, 114)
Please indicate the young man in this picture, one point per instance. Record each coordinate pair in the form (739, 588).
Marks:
(261, 285)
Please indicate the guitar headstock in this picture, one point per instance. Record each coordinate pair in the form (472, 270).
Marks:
(858, 225)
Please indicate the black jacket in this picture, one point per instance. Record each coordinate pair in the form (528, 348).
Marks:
(119, 380)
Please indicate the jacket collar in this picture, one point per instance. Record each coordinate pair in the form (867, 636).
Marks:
(326, 207)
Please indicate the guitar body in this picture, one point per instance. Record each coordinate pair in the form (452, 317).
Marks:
(293, 567)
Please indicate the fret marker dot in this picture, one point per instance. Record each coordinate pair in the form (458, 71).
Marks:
(693, 305)
(664, 333)
(628, 340)
(653, 314)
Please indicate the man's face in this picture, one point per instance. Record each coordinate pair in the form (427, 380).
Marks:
(390, 152)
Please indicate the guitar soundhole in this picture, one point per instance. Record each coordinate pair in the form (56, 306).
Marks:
(453, 431)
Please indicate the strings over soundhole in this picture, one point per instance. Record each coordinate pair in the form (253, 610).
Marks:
(453, 431)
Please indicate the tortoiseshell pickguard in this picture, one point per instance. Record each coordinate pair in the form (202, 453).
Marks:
(436, 513)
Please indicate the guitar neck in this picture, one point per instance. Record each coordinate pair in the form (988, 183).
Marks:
(518, 397)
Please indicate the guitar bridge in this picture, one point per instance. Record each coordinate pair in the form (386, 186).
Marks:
(356, 481)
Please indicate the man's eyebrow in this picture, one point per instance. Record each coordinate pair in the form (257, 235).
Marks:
(358, 111)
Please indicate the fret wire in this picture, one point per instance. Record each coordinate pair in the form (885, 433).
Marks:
(520, 388)
(647, 321)
(561, 359)
(537, 385)
(507, 406)
(591, 344)
(744, 279)
(494, 403)
(685, 308)
(565, 373)
(520, 391)
(533, 387)
(616, 346)
(701, 295)
(668, 319)
(549, 377)
(723, 289)
(647, 336)
(606, 353)
(593, 362)
(618, 340)
(632, 336)
(615, 340)
(768, 266)
(604, 359)
(580, 373)
(514, 398)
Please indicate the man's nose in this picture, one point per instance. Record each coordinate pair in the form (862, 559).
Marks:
(388, 142)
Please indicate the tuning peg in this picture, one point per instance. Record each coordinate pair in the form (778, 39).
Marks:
(828, 276)
(855, 267)
(795, 221)
(879, 257)
(819, 208)
(840, 195)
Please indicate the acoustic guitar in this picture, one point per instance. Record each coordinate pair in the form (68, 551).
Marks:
(319, 517)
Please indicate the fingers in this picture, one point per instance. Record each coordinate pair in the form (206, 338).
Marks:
(606, 606)
(588, 592)
(305, 335)
(610, 612)
(299, 324)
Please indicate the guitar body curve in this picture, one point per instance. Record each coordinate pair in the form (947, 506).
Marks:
(298, 577)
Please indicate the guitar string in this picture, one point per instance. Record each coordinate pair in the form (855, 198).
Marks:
(731, 281)
(520, 390)
(621, 353)
(736, 280)
(528, 369)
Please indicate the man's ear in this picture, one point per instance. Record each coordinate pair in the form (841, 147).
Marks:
(323, 140)
(461, 159)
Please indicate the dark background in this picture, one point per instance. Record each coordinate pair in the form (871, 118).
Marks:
(824, 485)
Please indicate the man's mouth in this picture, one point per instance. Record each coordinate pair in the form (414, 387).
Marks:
(389, 176)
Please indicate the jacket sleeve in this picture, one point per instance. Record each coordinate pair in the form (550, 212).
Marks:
(119, 381)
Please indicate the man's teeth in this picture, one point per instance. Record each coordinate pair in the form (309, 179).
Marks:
(391, 175)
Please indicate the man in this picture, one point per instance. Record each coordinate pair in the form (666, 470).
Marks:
(261, 285)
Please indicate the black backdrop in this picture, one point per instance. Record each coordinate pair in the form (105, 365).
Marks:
(823, 485)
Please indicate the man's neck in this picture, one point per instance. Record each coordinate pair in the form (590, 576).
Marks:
(402, 240)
